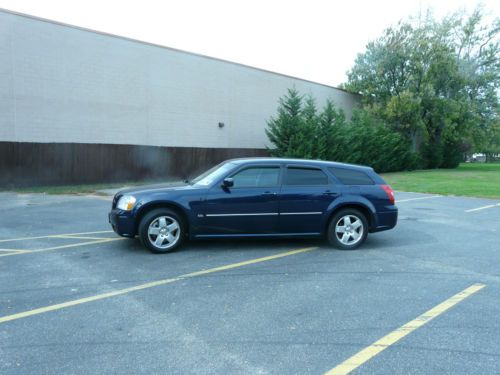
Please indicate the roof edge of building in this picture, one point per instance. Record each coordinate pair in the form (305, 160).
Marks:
(165, 47)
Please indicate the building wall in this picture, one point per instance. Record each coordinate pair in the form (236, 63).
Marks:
(62, 84)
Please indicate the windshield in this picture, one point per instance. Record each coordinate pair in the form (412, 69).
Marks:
(212, 174)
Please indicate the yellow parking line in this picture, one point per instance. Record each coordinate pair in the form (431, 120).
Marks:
(380, 345)
(247, 262)
(65, 236)
(97, 297)
(62, 246)
(54, 235)
(16, 251)
(80, 301)
(73, 234)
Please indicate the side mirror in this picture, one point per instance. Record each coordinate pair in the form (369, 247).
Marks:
(228, 182)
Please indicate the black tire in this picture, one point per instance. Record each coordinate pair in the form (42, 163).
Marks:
(348, 240)
(152, 222)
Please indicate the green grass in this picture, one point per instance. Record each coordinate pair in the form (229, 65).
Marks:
(77, 189)
(473, 180)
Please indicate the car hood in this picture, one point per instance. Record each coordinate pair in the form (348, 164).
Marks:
(145, 189)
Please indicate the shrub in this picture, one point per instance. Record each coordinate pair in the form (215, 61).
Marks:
(299, 131)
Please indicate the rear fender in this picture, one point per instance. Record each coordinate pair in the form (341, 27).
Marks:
(353, 201)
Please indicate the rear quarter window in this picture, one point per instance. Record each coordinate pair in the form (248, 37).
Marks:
(351, 177)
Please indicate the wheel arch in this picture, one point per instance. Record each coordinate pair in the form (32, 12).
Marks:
(364, 209)
(145, 209)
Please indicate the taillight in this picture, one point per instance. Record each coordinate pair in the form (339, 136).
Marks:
(390, 193)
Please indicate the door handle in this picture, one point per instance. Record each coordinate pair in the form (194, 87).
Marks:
(331, 193)
(267, 193)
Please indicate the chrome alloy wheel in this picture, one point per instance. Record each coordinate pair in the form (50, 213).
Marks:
(164, 232)
(349, 230)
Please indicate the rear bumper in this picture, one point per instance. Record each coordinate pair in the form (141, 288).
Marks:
(122, 222)
(386, 220)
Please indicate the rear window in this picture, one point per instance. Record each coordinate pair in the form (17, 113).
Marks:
(351, 177)
(296, 176)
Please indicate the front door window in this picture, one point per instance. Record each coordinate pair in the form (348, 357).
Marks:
(257, 177)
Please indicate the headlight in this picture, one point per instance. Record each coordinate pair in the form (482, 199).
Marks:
(126, 203)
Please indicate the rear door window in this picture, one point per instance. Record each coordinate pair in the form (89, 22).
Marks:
(352, 177)
(301, 176)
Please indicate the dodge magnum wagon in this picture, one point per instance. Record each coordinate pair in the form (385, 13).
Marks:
(259, 197)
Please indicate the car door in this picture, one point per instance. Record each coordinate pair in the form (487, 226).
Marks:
(305, 196)
(249, 207)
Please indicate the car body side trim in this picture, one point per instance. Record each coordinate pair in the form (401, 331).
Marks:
(301, 213)
(266, 214)
(253, 214)
(263, 235)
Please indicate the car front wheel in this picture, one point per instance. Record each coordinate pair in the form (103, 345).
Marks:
(348, 229)
(161, 231)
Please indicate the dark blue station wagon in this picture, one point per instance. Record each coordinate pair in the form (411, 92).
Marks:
(260, 197)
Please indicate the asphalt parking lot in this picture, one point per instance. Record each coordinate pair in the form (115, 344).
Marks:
(423, 298)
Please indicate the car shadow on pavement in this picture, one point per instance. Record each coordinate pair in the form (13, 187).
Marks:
(373, 242)
(397, 239)
(134, 245)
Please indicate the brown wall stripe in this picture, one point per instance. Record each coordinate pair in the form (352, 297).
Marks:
(36, 164)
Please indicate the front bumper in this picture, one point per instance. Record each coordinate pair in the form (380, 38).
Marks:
(122, 222)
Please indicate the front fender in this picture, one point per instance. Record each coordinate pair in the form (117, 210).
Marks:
(147, 205)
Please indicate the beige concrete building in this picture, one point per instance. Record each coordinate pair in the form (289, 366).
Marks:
(70, 93)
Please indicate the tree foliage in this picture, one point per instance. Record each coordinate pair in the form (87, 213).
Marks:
(285, 130)
(300, 130)
(435, 83)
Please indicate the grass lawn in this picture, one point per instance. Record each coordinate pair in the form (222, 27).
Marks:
(77, 189)
(469, 179)
(475, 180)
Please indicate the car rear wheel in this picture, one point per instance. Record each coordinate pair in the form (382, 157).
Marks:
(348, 229)
(161, 231)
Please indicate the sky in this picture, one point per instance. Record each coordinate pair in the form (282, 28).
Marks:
(316, 40)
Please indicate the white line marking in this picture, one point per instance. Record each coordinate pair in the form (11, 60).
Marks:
(482, 208)
(415, 199)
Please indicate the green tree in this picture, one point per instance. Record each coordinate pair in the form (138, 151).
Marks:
(284, 130)
(434, 82)
(307, 137)
(300, 131)
(488, 141)
(369, 141)
(330, 129)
